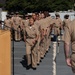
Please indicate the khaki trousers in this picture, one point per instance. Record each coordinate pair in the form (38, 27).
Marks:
(38, 52)
(34, 55)
(28, 53)
(42, 48)
(56, 31)
(18, 34)
(31, 53)
(73, 62)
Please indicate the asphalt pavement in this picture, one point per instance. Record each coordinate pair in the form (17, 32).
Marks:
(45, 67)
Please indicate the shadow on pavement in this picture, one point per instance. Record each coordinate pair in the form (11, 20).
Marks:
(24, 61)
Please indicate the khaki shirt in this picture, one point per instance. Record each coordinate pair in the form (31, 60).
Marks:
(42, 24)
(58, 22)
(17, 22)
(70, 34)
(66, 22)
(8, 23)
(37, 23)
(49, 22)
(25, 23)
(13, 17)
(31, 32)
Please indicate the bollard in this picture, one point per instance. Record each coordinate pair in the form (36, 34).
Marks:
(58, 47)
(54, 57)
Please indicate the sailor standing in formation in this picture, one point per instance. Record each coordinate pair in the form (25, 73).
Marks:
(36, 30)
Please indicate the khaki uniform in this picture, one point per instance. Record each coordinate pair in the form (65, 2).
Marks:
(42, 37)
(17, 25)
(66, 22)
(24, 23)
(70, 38)
(38, 42)
(13, 17)
(8, 25)
(49, 23)
(45, 30)
(31, 33)
(58, 25)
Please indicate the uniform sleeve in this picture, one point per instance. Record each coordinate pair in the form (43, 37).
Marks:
(24, 31)
(63, 23)
(37, 31)
(52, 21)
(67, 36)
(11, 23)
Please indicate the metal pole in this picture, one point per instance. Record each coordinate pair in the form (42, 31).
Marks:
(54, 57)
(13, 48)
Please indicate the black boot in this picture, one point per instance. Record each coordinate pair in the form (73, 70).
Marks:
(28, 67)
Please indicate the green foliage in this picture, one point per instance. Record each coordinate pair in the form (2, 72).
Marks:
(1, 5)
(38, 5)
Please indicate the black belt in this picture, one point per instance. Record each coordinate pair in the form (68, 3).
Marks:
(29, 37)
(73, 52)
(57, 27)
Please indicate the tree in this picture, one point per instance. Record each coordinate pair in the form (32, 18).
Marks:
(15, 5)
(38, 5)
